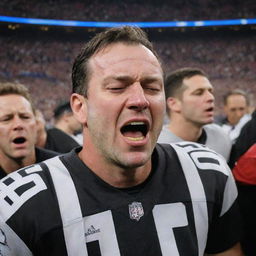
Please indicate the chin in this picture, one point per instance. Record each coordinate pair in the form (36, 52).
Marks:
(21, 154)
(209, 120)
(135, 160)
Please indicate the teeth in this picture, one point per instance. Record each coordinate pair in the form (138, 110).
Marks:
(135, 139)
(136, 123)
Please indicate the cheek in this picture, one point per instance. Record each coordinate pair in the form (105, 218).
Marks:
(4, 131)
(32, 127)
(99, 116)
(159, 104)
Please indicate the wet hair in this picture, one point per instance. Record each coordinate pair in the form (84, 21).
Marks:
(129, 35)
(7, 88)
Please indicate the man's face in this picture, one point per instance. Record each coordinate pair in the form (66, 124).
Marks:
(197, 101)
(235, 108)
(125, 104)
(17, 127)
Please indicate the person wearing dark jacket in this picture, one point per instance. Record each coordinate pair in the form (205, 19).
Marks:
(243, 164)
(245, 140)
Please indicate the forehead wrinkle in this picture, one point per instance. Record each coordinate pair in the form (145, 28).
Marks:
(106, 54)
(97, 61)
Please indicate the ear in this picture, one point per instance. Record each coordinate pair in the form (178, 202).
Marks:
(79, 107)
(173, 104)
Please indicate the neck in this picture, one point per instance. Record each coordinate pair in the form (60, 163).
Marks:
(186, 130)
(111, 173)
(9, 164)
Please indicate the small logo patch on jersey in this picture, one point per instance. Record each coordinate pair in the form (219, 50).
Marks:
(136, 211)
(92, 230)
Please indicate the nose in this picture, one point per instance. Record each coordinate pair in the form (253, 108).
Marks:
(137, 99)
(210, 96)
(17, 123)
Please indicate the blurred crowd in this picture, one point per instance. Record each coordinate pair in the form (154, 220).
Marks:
(44, 62)
(132, 10)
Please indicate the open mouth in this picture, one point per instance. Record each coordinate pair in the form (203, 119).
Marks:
(210, 109)
(19, 140)
(135, 130)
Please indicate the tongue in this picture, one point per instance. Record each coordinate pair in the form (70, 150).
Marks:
(135, 134)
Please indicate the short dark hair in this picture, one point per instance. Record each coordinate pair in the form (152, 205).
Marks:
(62, 108)
(173, 83)
(235, 92)
(125, 34)
(7, 88)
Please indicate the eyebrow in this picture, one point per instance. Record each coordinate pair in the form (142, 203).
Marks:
(130, 79)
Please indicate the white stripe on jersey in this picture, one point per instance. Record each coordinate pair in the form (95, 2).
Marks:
(196, 191)
(230, 193)
(10, 243)
(72, 219)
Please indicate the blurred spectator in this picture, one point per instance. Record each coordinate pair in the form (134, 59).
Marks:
(246, 139)
(236, 107)
(53, 138)
(18, 130)
(42, 59)
(65, 120)
(190, 106)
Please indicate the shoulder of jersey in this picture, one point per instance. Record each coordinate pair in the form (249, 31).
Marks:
(191, 145)
(188, 146)
(20, 186)
(215, 129)
(201, 154)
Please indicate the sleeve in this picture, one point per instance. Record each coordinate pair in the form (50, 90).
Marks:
(226, 228)
(15, 190)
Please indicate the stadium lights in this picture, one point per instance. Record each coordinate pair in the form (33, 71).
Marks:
(73, 23)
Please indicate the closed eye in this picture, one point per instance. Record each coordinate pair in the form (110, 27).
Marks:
(152, 89)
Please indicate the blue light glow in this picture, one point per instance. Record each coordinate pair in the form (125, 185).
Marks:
(73, 23)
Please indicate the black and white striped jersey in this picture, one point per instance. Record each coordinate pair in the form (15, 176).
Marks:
(60, 207)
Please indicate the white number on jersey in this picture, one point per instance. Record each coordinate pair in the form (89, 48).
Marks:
(16, 189)
(165, 222)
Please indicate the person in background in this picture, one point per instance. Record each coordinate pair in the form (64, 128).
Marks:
(190, 107)
(236, 108)
(243, 164)
(64, 120)
(54, 138)
(18, 130)
(121, 193)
